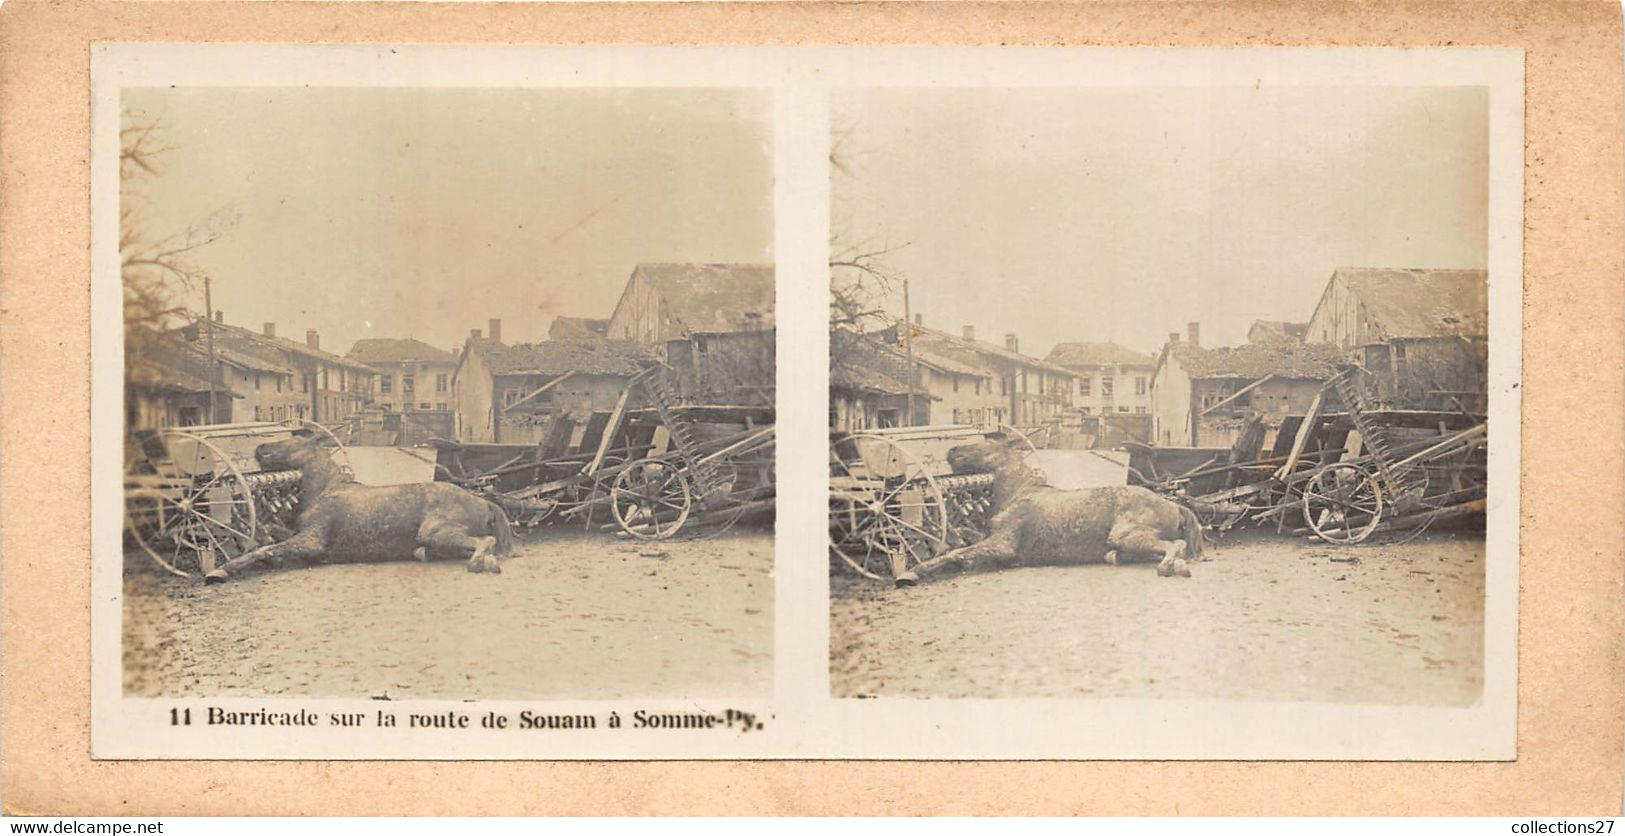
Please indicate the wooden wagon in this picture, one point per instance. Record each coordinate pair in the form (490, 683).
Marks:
(647, 469)
(1346, 473)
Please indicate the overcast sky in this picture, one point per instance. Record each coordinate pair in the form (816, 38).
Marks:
(1122, 214)
(394, 213)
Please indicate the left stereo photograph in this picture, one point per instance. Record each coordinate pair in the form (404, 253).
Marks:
(444, 393)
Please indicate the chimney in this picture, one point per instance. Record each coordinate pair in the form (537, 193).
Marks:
(1195, 330)
(220, 317)
(270, 329)
(919, 319)
(474, 332)
(970, 332)
(496, 330)
(1173, 336)
(1010, 343)
(313, 339)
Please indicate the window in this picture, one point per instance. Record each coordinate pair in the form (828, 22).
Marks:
(279, 383)
(256, 380)
(304, 384)
(408, 384)
(1106, 382)
(1087, 410)
(324, 378)
(424, 406)
(1122, 409)
(978, 386)
(1139, 385)
(1139, 410)
(440, 406)
(386, 384)
(440, 383)
(389, 407)
(956, 389)
(1084, 384)
(1024, 380)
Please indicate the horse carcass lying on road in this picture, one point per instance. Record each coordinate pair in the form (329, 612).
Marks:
(341, 520)
(1035, 525)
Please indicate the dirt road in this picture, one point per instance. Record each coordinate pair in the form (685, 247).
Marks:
(1269, 618)
(573, 615)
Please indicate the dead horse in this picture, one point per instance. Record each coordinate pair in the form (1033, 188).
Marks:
(341, 520)
(1036, 525)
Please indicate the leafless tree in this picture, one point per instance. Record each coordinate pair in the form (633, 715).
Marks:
(157, 270)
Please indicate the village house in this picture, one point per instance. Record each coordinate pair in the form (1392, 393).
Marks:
(1111, 379)
(1423, 335)
(549, 393)
(712, 323)
(412, 375)
(868, 386)
(1205, 397)
(166, 384)
(320, 386)
(976, 382)
(1113, 396)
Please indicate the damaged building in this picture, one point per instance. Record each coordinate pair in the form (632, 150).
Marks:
(1423, 335)
(1206, 397)
(548, 393)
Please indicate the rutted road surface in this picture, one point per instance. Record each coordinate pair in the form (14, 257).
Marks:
(1268, 618)
(573, 615)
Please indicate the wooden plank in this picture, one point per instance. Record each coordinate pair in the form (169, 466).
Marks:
(1302, 438)
(610, 429)
(543, 388)
(1239, 392)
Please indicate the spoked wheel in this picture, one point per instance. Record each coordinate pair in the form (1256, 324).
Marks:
(650, 499)
(1342, 503)
(194, 510)
(886, 511)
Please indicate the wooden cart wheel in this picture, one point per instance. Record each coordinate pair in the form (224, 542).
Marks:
(191, 514)
(885, 508)
(650, 499)
(1342, 503)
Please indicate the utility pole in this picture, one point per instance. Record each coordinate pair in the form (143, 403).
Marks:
(214, 363)
(908, 348)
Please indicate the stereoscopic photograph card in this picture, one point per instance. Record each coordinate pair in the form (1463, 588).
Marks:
(448, 416)
(765, 410)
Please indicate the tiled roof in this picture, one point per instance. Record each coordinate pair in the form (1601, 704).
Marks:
(166, 363)
(1075, 355)
(1421, 303)
(1310, 361)
(587, 356)
(974, 352)
(255, 343)
(397, 350)
(867, 364)
(714, 298)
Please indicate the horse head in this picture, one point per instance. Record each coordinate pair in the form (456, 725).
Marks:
(296, 452)
(991, 456)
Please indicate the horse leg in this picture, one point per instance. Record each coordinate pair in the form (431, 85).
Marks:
(1136, 539)
(305, 545)
(454, 541)
(999, 547)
